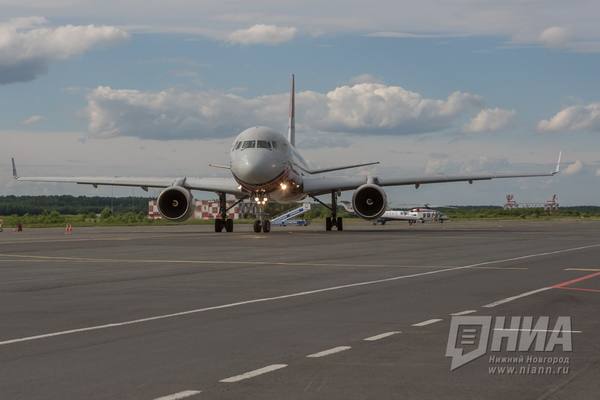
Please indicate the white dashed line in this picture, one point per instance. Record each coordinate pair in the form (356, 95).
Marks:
(519, 296)
(180, 395)
(381, 336)
(329, 352)
(428, 322)
(456, 314)
(252, 374)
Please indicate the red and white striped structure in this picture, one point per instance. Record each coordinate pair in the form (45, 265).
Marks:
(203, 209)
(153, 210)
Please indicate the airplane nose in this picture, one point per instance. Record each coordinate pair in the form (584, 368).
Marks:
(256, 167)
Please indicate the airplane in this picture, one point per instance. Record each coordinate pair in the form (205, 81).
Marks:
(267, 166)
(414, 215)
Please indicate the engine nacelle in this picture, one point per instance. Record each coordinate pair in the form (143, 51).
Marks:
(175, 203)
(369, 201)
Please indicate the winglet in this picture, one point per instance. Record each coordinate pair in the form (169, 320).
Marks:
(15, 175)
(557, 169)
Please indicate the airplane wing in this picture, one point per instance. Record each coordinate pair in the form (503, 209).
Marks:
(321, 185)
(224, 185)
(331, 169)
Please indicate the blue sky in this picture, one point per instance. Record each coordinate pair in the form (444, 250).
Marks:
(94, 96)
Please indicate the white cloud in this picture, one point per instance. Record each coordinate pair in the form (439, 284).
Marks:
(263, 34)
(555, 37)
(490, 120)
(32, 120)
(573, 119)
(362, 108)
(28, 45)
(517, 20)
(574, 168)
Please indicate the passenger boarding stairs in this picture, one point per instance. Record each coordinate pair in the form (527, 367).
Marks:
(286, 218)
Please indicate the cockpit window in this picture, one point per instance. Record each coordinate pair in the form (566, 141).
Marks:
(249, 144)
(238, 144)
(263, 144)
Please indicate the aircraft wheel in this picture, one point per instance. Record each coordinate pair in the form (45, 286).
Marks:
(257, 226)
(340, 224)
(219, 225)
(229, 225)
(266, 226)
(328, 224)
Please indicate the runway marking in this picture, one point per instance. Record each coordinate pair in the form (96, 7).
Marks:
(252, 374)
(504, 268)
(329, 352)
(428, 322)
(49, 259)
(562, 285)
(456, 314)
(576, 280)
(381, 336)
(535, 330)
(180, 395)
(220, 262)
(579, 289)
(282, 297)
(582, 269)
(519, 296)
(118, 238)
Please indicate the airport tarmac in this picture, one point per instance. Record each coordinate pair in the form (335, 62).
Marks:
(176, 312)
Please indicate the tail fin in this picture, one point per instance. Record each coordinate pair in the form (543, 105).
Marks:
(292, 123)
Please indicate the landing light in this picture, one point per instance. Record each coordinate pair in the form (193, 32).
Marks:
(283, 186)
(256, 199)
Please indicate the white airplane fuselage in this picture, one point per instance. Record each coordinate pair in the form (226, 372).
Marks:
(264, 163)
(413, 215)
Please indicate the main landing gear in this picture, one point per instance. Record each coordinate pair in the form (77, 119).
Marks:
(223, 222)
(333, 220)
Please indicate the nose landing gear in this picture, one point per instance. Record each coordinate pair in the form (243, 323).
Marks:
(262, 223)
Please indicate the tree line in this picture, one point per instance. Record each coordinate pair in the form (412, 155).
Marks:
(70, 205)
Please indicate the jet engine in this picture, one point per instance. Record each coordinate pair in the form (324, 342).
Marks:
(369, 201)
(175, 203)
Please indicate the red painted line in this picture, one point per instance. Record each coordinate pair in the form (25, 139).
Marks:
(579, 289)
(572, 281)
